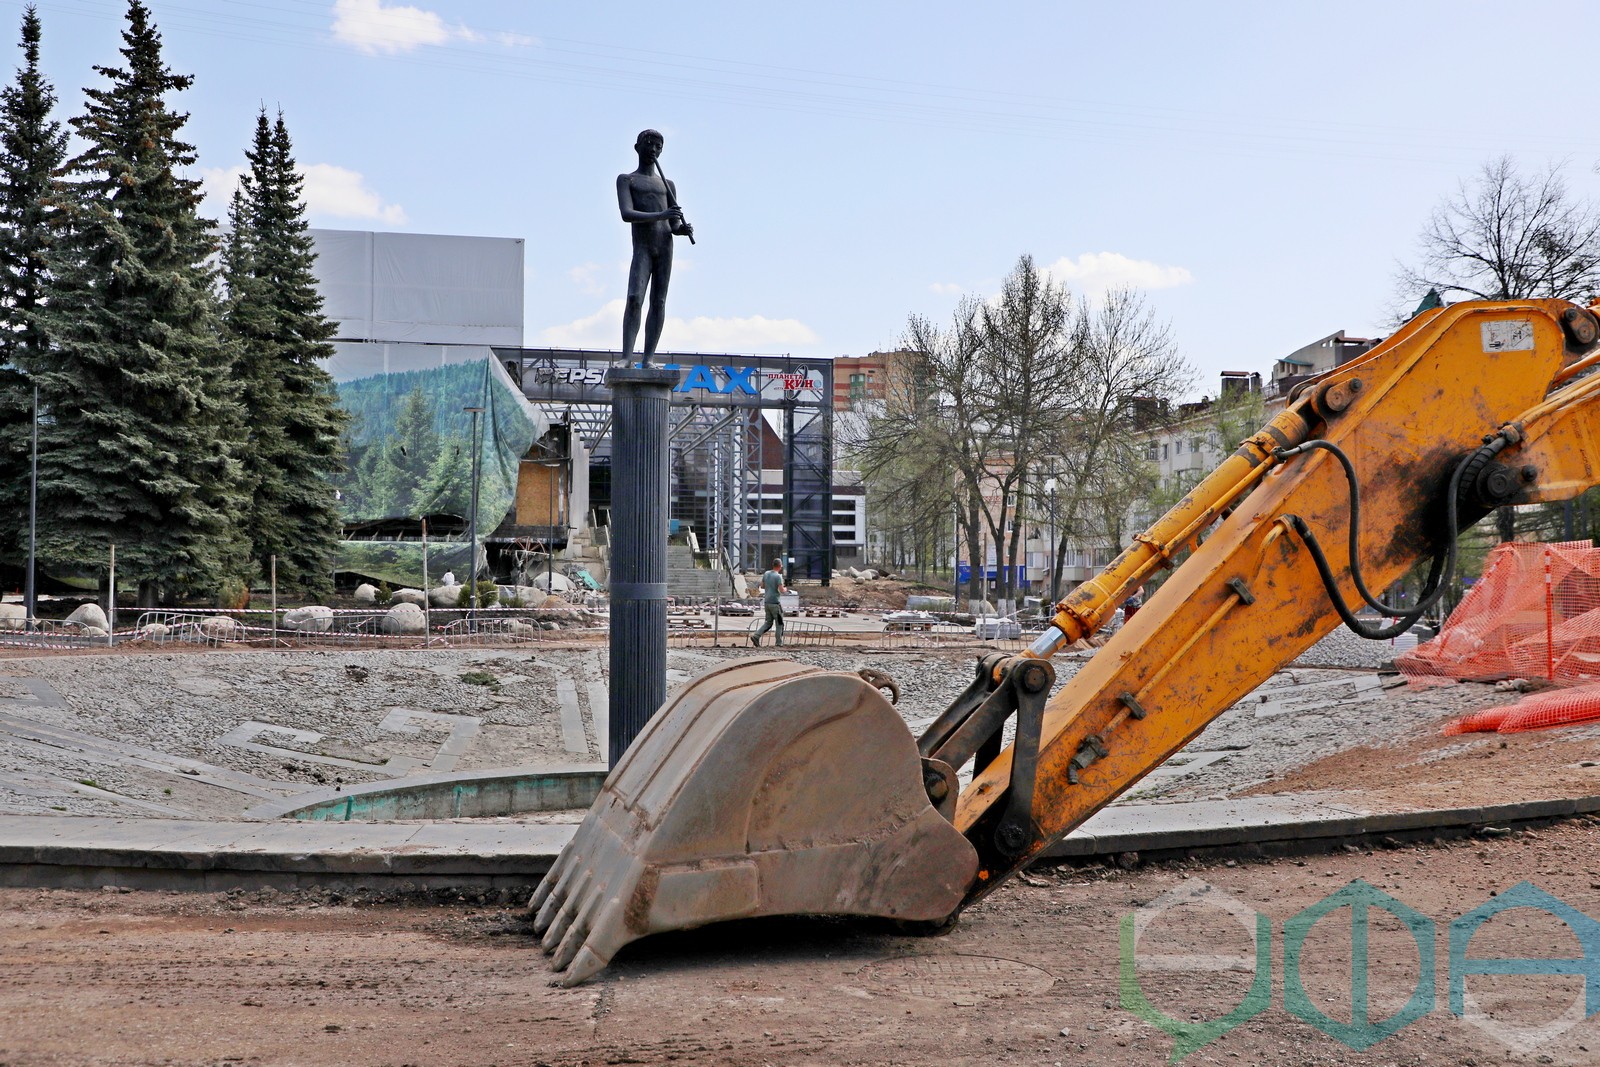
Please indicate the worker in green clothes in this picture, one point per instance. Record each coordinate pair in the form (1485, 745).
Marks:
(771, 586)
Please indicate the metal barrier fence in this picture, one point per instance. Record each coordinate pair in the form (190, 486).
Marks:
(689, 625)
(48, 634)
(1005, 633)
(338, 628)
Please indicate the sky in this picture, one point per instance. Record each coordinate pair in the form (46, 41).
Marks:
(1259, 170)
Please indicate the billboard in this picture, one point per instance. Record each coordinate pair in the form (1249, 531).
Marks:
(421, 287)
(409, 449)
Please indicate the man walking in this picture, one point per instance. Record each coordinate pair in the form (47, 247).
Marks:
(771, 586)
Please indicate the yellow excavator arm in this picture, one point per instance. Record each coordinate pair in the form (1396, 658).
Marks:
(772, 788)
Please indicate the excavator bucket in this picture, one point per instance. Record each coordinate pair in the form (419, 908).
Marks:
(764, 788)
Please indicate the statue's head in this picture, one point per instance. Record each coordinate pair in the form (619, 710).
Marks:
(652, 139)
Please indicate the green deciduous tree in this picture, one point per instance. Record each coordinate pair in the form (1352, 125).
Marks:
(144, 418)
(280, 335)
(32, 146)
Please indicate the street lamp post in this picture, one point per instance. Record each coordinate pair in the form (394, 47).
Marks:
(472, 521)
(30, 596)
(1050, 490)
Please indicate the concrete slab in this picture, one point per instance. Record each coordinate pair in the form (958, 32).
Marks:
(573, 738)
(1207, 824)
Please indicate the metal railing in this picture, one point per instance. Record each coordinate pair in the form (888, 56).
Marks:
(340, 628)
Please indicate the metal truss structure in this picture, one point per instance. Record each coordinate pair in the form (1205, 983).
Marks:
(720, 429)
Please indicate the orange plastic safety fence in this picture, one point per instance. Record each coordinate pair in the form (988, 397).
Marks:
(1535, 613)
(1486, 721)
(1563, 707)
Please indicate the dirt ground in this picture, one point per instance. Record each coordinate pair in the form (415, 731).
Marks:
(1425, 768)
(878, 594)
(1030, 975)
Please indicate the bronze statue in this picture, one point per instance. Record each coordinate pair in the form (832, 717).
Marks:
(650, 203)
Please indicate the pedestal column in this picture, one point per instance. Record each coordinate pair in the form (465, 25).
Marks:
(639, 510)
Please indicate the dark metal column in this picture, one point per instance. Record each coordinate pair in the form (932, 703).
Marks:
(639, 507)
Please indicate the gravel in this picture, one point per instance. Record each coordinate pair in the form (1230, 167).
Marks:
(183, 706)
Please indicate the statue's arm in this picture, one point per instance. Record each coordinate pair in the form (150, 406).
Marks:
(680, 225)
(633, 214)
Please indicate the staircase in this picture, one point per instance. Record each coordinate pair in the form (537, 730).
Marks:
(686, 579)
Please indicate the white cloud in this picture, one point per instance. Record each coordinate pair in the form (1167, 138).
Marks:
(1094, 273)
(945, 288)
(329, 190)
(337, 191)
(603, 329)
(372, 27)
(516, 40)
(587, 277)
(216, 186)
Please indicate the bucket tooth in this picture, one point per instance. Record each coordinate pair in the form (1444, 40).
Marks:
(764, 788)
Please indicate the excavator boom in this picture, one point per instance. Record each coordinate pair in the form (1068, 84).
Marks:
(1464, 409)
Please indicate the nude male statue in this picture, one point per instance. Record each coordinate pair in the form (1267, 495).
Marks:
(650, 203)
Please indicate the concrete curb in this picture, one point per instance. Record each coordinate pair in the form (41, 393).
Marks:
(72, 852)
(1288, 821)
(458, 795)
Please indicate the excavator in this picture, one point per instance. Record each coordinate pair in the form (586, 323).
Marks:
(768, 787)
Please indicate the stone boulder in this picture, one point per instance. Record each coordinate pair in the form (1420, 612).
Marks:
(551, 583)
(156, 631)
(88, 615)
(409, 596)
(405, 619)
(315, 617)
(13, 616)
(222, 628)
(92, 631)
(870, 575)
(443, 596)
(366, 594)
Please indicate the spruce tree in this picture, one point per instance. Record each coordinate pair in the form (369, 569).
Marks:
(32, 147)
(274, 317)
(144, 416)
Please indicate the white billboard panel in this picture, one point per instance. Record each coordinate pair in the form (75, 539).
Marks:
(420, 287)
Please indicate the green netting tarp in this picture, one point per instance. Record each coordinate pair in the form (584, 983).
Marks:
(410, 456)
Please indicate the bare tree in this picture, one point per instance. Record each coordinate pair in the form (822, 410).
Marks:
(1505, 235)
(920, 453)
(976, 412)
(1125, 382)
(1032, 351)
(1029, 385)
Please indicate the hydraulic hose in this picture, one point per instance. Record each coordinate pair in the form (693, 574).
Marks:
(1444, 561)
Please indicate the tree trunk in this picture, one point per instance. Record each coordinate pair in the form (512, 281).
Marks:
(973, 525)
(149, 594)
(1013, 569)
(1505, 520)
